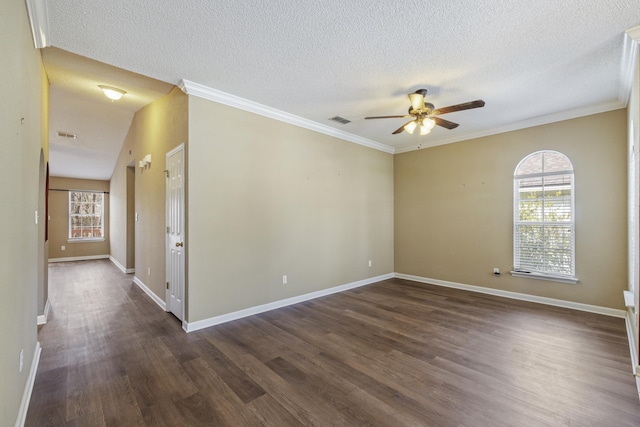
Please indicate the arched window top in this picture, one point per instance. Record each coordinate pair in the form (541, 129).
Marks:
(544, 162)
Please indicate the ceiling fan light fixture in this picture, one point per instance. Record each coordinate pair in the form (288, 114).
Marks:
(410, 127)
(417, 101)
(113, 93)
(424, 130)
(428, 123)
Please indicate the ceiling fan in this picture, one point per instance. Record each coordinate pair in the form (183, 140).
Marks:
(425, 115)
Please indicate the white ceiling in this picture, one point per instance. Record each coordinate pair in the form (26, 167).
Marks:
(77, 106)
(531, 62)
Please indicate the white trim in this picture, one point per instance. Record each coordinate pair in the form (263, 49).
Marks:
(28, 389)
(42, 319)
(543, 276)
(629, 58)
(175, 150)
(516, 295)
(86, 240)
(79, 258)
(223, 318)
(633, 349)
(39, 20)
(121, 267)
(523, 124)
(629, 300)
(149, 292)
(195, 89)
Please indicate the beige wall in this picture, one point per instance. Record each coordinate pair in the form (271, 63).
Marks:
(155, 129)
(454, 209)
(119, 203)
(59, 223)
(23, 111)
(267, 199)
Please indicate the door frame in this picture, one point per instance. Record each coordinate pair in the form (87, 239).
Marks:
(180, 147)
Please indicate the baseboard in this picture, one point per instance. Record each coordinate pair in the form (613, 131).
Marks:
(223, 318)
(28, 389)
(516, 295)
(78, 258)
(42, 319)
(154, 297)
(121, 267)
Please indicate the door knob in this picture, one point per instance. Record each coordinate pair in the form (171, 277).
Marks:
(179, 244)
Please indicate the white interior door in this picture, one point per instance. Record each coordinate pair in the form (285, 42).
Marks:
(175, 232)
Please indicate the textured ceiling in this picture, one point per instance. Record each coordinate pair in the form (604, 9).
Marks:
(317, 59)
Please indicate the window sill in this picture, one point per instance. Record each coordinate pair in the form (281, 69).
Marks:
(542, 276)
(88, 240)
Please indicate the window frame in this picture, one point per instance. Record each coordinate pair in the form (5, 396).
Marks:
(72, 239)
(518, 270)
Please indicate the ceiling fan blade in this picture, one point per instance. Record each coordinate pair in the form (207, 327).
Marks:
(444, 123)
(417, 101)
(386, 117)
(401, 128)
(459, 107)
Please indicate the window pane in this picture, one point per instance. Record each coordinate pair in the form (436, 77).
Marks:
(532, 164)
(85, 210)
(556, 162)
(530, 207)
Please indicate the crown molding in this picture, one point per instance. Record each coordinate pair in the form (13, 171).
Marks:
(39, 20)
(629, 62)
(201, 91)
(536, 121)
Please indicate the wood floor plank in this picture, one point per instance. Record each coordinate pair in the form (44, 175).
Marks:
(394, 353)
(272, 413)
(227, 408)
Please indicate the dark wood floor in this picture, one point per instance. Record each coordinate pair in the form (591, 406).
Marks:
(390, 354)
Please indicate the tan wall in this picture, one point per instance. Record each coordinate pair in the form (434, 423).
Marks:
(155, 130)
(118, 215)
(454, 209)
(59, 223)
(23, 111)
(267, 199)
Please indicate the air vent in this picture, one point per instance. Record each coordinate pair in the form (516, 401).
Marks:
(341, 120)
(67, 135)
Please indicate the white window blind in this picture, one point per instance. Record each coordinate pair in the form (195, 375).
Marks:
(544, 227)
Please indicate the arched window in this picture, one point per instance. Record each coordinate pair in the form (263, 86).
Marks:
(544, 217)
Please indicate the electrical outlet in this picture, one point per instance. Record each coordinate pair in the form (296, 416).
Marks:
(496, 270)
(284, 279)
(369, 263)
(63, 248)
(21, 359)
(149, 271)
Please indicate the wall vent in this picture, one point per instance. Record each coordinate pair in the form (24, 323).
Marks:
(67, 135)
(341, 120)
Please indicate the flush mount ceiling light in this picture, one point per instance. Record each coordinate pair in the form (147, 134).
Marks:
(113, 93)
